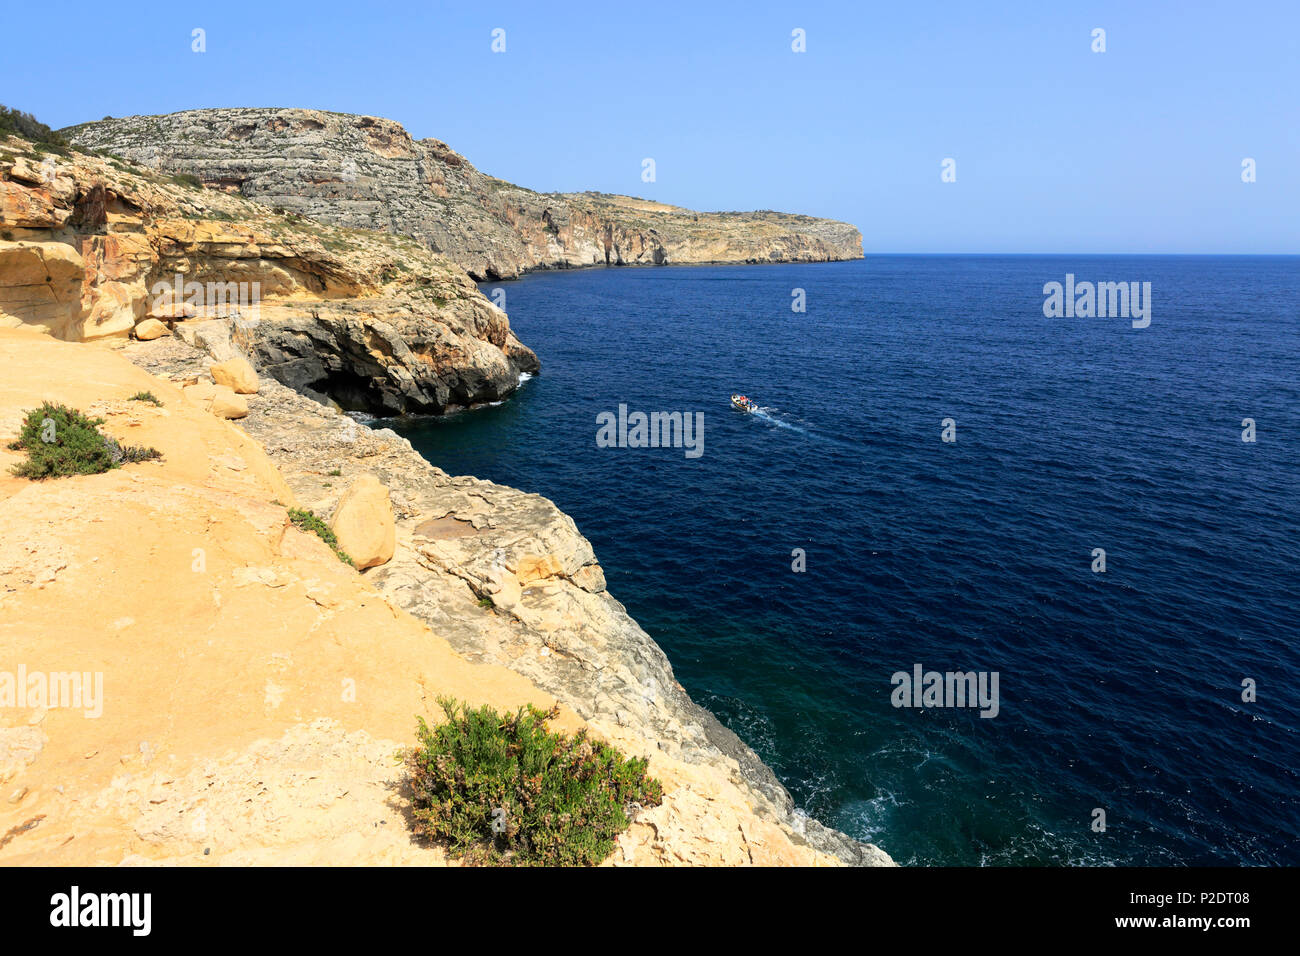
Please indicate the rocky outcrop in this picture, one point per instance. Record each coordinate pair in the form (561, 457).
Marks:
(507, 578)
(94, 249)
(512, 590)
(367, 172)
(244, 691)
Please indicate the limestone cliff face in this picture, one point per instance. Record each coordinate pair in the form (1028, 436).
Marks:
(551, 620)
(367, 172)
(372, 320)
(244, 691)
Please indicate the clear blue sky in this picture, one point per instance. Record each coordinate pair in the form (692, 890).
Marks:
(1058, 148)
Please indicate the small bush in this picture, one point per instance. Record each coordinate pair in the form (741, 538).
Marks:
(149, 397)
(502, 789)
(307, 520)
(129, 454)
(61, 441)
(188, 179)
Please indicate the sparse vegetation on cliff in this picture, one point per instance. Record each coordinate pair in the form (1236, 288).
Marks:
(61, 441)
(307, 520)
(502, 789)
(17, 123)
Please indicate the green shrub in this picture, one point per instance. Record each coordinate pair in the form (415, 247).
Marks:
(129, 454)
(17, 123)
(188, 179)
(61, 441)
(307, 520)
(149, 397)
(503, 789)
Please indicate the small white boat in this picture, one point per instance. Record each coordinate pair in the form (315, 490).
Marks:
(744, 404)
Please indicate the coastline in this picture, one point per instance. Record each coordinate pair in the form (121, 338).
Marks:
(505, 578)
(461, 540)
(221, 635)
(369, 172)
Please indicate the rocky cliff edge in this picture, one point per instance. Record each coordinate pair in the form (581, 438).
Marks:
(97, 248)
(255, 689)
(368, 172)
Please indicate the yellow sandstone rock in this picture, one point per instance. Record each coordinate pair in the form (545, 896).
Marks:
(238, 374)
(220, 400)
(182, 310)
(40, 285)
(244, 690)
(364, 523)
(227, 404)
(150, 329)
(201, 392)
(250, 706)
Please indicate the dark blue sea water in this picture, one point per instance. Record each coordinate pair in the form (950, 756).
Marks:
(1119, 690)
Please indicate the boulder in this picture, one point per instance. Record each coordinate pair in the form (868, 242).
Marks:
(364, 524)
(227, 404)
(150, 329)
(237, 374)
(220, 400)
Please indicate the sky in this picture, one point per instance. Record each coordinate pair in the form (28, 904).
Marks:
(1056, 147)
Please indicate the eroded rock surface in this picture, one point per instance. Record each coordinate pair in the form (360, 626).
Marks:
(461, 540)
(368, 172)
(94, 248)
(255, 690)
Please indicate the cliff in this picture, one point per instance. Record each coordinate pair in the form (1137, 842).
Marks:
(224, 731)
(367, 172)
(253, 689)
(92, 248)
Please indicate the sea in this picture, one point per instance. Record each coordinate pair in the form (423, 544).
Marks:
(1099, 513)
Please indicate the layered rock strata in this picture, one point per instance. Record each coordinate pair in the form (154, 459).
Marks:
(368, 172)
(94, 249)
